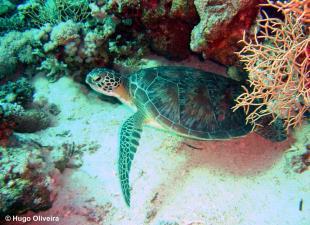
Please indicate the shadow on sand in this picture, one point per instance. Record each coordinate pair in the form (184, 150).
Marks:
(248, 155)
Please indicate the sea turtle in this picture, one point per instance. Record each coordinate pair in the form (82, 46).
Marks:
(189, 102)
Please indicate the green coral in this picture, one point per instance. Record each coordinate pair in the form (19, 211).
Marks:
(16, 103)
(10, 192)
(14, 22)
(39, 12)
(20, 92)
(28, 174)
(17, 48)
(54, 68)
(10, 19)
(21, 169)
(70, 38)
(6, 6)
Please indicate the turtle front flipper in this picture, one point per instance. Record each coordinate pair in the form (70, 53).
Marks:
(129, 141)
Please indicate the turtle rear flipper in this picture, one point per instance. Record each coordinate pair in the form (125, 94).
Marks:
(274, 132)
(129, 141)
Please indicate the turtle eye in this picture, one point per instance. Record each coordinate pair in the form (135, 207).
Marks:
(96, 78)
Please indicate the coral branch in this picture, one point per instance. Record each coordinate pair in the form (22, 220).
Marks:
(301, 8)
(279, 66)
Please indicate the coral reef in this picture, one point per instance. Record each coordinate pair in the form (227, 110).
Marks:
(70, 37)
(221, 26)
(18, 49)
(63, 42)
(13, 97)
(39, 12)
(6, 6)
(20, 92)
(175, 28)
(9, 19)
(6, 129)
(74, 47)
(169, 25)
(25, 120)
(14, 22)
(166, 24)
(30, 174)
(21, 175)
(31, 120)
(299, 7)
(19, 113)
(53, 68)
(278, 69)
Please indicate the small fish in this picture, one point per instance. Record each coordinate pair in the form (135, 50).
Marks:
(191, 146)
(300, 204)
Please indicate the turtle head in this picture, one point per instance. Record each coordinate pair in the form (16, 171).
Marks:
(104, 80)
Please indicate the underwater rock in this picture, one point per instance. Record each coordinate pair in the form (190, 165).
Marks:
(175, 28)
(27, 182)
(18, 49)
(5, 7)
(53, 109)
(221, 26)
(31, 173)
(31, 120)
(6, 129)
(170, 38)
(169, 24)
(166, 24)
(20, 92)
(16, 102)
(25, 120)
(64, 45)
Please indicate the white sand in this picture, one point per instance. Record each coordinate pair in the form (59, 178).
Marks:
(238, 182)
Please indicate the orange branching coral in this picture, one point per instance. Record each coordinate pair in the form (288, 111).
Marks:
(301, 8)
(278, 67)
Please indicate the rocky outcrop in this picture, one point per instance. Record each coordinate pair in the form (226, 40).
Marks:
(221, 26)
(31, 174)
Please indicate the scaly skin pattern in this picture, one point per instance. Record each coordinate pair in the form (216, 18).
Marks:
(129, 141)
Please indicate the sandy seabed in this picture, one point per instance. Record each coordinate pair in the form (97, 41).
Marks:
(174, 181)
